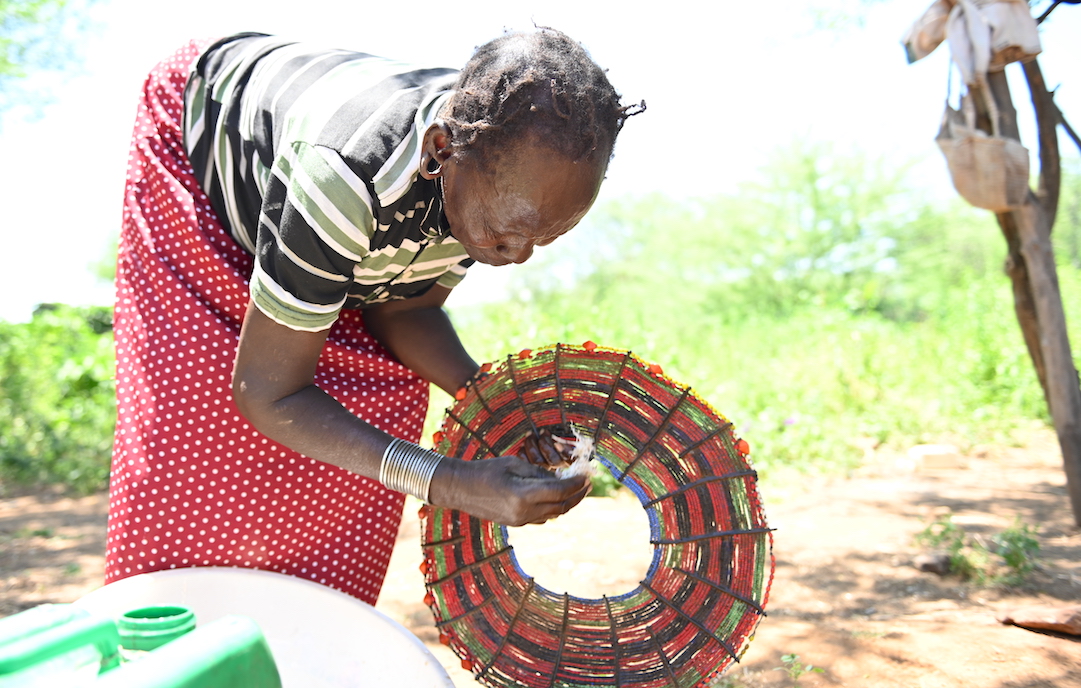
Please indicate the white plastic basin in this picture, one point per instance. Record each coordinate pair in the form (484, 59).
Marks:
(320, 638)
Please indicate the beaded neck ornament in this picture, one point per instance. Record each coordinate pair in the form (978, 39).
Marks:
(704, 592)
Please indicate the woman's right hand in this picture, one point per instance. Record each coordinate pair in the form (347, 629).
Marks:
(505, 489)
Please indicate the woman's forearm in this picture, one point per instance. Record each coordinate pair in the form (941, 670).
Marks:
(313, 423)
(275, 367)
(421, 335)
(273, 388)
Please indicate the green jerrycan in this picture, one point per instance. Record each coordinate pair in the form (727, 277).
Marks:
(225, 653)
(56, 645)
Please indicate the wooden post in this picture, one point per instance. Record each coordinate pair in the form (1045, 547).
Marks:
(1016, 267)
(1031, 266)
(1062, 383)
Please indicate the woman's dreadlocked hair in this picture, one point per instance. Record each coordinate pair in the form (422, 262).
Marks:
(538, 83)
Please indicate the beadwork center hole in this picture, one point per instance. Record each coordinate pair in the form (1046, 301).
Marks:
(600, 547)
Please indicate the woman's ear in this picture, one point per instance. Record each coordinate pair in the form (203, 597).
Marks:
(435, 149)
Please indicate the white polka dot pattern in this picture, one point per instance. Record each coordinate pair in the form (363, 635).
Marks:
(193, 484)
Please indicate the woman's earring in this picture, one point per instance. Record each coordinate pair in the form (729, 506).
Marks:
(427, 161)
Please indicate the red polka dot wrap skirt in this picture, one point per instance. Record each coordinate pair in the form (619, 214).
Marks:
(193, 484)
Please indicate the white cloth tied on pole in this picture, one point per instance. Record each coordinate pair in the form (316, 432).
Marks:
(1015, 35)
(927, 32)
(988, 170)
(984, 35)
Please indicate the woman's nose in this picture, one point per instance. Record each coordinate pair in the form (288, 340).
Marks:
(515, 253)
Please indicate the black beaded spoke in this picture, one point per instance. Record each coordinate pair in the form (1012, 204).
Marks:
(439, 543)
(518, 394)
(723, 588)
(484, 402)
(698, 483)
(712, 433)
(562, 639)
(668, 603)
(664, 659)
(611, 398)
(615, 640)
(510, 627)
(463, 615)
(470, 566)
(559, 388)
(472, 433)
(656, 435)
(708, 536)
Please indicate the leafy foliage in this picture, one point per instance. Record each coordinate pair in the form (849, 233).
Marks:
(57, 406)
(17, 18)
(34, 35)
(795, 669)
(1009, 559)
(1019, 548)
(1067, 234)
(942, 533)
(826, 308)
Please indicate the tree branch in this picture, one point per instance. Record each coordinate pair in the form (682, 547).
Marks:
(1048, 11)
(1047, 119)
(1066, 125)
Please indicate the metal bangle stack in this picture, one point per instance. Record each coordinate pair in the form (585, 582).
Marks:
(408, 468)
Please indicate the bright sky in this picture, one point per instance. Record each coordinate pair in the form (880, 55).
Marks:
(725, 84)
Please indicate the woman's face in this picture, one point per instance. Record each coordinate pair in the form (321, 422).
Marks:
(528, 197)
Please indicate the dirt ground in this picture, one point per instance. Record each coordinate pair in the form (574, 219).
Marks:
(846, 597)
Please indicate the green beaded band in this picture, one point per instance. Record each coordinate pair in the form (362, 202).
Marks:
(408, 468)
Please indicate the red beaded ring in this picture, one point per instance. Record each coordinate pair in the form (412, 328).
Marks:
(712, 566)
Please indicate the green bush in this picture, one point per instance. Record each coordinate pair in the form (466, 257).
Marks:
(57, 405)
(1009, 560)
(823, 308)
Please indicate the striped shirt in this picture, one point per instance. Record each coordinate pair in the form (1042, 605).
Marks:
(310, 158)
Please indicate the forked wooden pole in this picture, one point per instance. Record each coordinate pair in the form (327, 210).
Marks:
(1031, 266)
